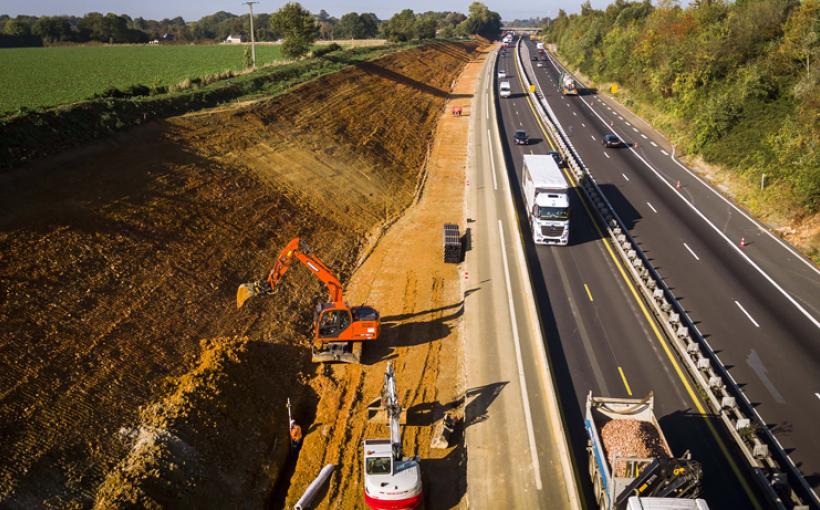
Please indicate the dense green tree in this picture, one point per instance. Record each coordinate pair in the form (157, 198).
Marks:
(297, 27)
(481, 21)
(401, 27)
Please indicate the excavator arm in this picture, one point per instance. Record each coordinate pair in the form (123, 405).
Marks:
(297, 250)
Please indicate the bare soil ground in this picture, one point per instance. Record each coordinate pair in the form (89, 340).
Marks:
(421, 302)
(117, 260)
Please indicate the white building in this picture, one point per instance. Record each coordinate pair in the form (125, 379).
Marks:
(232, 39)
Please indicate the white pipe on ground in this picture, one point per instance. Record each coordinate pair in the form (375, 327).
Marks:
(313, 489)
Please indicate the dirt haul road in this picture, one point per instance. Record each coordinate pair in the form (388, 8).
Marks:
(117, 260)
(421, 302)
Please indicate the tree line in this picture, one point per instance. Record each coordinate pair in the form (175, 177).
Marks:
(735, 81)
(120, 28)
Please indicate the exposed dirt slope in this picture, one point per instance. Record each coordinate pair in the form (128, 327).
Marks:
(421, 303)
(117, 259)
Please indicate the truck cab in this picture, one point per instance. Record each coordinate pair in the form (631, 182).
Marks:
(546, 195)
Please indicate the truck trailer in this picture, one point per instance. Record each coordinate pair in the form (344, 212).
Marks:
(546, 193)
(630, 462)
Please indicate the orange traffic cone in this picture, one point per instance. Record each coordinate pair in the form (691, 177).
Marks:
(742, 242)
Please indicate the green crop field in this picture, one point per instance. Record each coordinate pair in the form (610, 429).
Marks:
(35, 77)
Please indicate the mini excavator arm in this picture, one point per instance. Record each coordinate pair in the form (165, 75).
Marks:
(294, 250)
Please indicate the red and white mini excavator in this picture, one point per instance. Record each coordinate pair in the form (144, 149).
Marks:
(391, 481)
(339, 330)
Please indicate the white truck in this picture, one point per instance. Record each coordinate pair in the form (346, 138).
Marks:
(568, 85)
(539, 45)
(630, 462)
(546, 193)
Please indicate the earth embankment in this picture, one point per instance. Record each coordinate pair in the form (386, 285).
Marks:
(120, 258)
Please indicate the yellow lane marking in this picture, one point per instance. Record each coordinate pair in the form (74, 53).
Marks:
(626, 383)
(651, 321)
(589, 293)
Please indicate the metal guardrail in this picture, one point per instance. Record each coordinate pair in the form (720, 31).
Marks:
(723, 395)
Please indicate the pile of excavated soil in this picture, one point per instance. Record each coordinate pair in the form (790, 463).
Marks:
(421, 302)
(117, 259)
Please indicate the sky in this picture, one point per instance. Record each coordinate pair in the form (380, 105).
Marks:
(192, 10)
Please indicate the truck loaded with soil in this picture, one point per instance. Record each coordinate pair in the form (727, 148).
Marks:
(128, 378)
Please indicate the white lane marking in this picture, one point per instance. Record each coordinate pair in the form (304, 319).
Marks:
(620, 117)
(591, 136)
(627, 123)
(747, 314)
(487, 110)
(720, 233)
(664, 152)
(522, 382)
(607, 155)
(817, 395)
(653, 144)
(583, 125)
(653, 209)
(625, 177)
(492, 160)
(574, 114)
(635, 130)
(644, 136)
(690, 251)
(779, 241)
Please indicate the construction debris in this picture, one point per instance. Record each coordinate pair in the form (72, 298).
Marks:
(630, 439)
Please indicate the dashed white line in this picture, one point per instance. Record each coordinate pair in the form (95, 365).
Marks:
(583, 125)
(620, 117)
(653, 209)
(635, 130)
(644, 136)
(592, 137)
(817, 395)
(664, 152)
(625, 177)
(522, 382)
(607, 155)
(747, 314)
(653, 144)
(690, 251)
(627, 123)
(574, 114)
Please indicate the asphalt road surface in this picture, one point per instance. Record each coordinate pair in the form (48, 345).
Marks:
(757, 305)
(600, 336)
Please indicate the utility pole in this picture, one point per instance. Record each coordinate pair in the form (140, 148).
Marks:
(253, 42)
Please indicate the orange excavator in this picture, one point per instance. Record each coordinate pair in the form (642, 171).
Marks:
(339, 330)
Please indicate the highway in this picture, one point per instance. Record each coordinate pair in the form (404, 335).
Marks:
(599, 334)
(517, 454)
(756, 305)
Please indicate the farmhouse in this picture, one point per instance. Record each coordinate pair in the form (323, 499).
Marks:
(231, 39)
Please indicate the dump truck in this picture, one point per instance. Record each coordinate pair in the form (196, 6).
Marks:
(546, 194)
(629, 458)
(568, 85)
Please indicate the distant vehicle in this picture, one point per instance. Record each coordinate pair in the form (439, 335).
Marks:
(502, 73)
(534, 58)
(539, 64)
(520, 137)
(547, 199)
(539, 45)
(612, 141)
(505, 89)
(558, 159)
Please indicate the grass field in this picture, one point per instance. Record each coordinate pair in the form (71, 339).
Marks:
(34, 77)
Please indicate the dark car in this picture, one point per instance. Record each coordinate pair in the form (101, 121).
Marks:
(611, 140)
(557, 157)
(534, 58)
(520, 137)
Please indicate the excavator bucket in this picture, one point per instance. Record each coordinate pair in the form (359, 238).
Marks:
(244, 293)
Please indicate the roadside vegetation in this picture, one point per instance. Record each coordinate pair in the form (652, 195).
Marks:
(735, 83)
